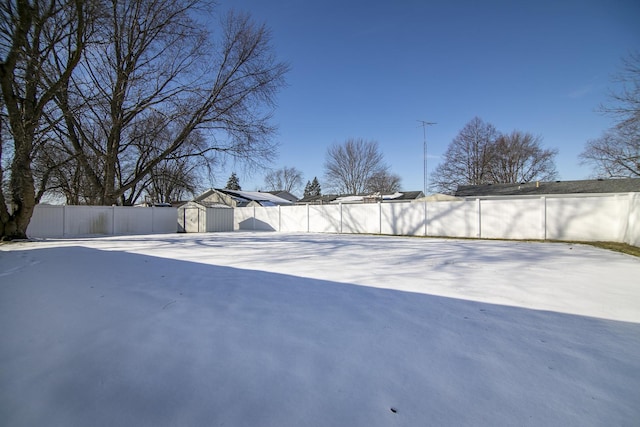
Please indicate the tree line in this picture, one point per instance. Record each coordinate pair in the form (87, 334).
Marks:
(103, 100)
(480, 154)
(355, 166)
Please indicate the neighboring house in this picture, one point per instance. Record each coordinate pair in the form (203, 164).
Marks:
(284, 195)
(239, 199)
(593, 186)
(317, 200)
(405, 196)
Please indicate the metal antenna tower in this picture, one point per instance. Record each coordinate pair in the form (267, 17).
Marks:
(424, 151)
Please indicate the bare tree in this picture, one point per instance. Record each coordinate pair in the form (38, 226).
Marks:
(616, 154)
(519, 157)
(172, 181)
(143, 60)
(285, 179)
(467, 159)
(41, 43)
(479, 154)
(160, 66)
(384, 182)
(349, 166)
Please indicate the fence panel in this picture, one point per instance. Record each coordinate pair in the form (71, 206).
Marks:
(243, 218)
(293, 219)
(47, 221)
(403, 219)
(453, 219)
(632, 230)
(361, 218)
(324, 219)
(587, 218)
(127, 220)
(61, 221)
(165, 220)
(512, 219)
(267, 218)
(87, 220)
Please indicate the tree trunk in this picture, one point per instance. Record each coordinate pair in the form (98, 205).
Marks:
(14, 223)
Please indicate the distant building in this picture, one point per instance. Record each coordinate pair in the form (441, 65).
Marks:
(284, 195)
(239, 199)
(593, 186)
(405, 196)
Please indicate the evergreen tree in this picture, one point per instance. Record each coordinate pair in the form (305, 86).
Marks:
(307, 190)
(233, 183)
(314, 188)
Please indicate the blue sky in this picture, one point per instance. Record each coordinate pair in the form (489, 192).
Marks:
(372, 69)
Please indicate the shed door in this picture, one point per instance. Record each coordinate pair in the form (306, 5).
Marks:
(192, 220)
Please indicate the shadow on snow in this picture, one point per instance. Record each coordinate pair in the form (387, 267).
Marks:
(95, 337)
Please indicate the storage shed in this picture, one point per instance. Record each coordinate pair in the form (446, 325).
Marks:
(203, 217)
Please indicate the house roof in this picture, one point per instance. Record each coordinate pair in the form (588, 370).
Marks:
(410, 195)
(439, 197)
(317, 200)
(628, 185)
(243, 197)
(361, 198)
(284, 195)
(257, 196)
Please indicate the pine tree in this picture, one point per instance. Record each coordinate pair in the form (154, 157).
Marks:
(307, 190)
(233, 183)
(314, 188)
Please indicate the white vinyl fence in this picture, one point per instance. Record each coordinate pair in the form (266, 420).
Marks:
(63, 221)
(603, 217)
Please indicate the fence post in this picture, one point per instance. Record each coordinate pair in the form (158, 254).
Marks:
(426, 219)
(379, 217)
(64, 220)
(479, 211)
(543, 215)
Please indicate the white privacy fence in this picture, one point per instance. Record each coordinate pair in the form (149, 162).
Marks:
(607, 217)
(61, 221)
(610, 217)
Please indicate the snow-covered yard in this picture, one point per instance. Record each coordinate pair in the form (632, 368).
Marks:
(268, 329)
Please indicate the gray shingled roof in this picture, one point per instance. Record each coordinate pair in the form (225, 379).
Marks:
(629, 185)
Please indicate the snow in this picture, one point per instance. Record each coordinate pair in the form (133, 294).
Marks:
(261, 196)
(269, 329)
(355, 199)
